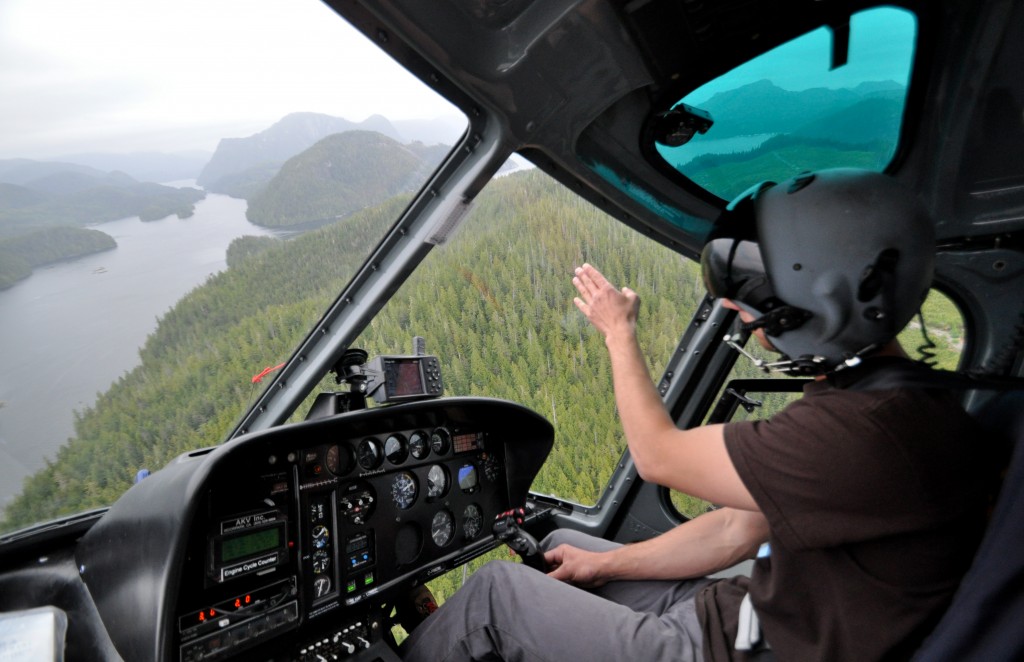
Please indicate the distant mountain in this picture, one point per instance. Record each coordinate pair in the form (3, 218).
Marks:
(13, 196)
(864, 122)
(763, 107)
(272, 147)
(42, 194)
(440, 130)
(341, 174)
(62, 183)
(245, 184)
(24, 171)
(429, 154)
(156, 167)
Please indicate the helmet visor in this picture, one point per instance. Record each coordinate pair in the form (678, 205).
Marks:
(733, 269)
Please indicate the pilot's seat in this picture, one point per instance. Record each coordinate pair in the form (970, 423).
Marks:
(985, 619)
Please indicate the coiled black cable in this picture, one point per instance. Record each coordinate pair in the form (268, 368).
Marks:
(925, 350)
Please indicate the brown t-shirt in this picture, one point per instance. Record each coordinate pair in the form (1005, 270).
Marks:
(875, 502)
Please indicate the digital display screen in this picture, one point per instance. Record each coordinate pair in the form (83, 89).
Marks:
(467, 478)
(250, 544)
(406, 376)
(463, 443)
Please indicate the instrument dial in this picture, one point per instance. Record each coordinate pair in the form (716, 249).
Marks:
(442, 528)
(321, 586)
(438, 482)
(321, 536)
(369, 454)
(404, 490)
(321, 561)
(492, 467)
(408, 543)
(338, 460)
(419, 445)
(357, 501)
(472, 521)
(440, 441)
(396, 449)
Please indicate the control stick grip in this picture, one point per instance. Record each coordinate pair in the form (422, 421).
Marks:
(507, 529)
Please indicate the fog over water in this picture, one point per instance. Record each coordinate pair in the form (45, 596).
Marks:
(71, 329)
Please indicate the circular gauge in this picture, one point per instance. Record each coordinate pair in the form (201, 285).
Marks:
(408, 543)
(338, 460)
(321, 561)
(356, 502)
(320, 536)
(404, 490)
(419, 445)
(472, 521)
(321, 586)
(442, 528)
(437, 481)
(440, 441)
(492, 467)
(396, 449)
(469, 480)
(369, 454)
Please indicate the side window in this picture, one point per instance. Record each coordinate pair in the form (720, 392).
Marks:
(495, 305)
(942, 343)
(750, 394)
(790, 110)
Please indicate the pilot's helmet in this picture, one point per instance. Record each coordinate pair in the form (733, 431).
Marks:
(833, 264)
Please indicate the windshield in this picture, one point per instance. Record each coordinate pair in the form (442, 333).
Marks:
(184, 189)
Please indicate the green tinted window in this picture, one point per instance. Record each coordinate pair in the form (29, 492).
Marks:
(788, 111)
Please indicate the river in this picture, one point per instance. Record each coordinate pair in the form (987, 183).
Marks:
(71, 329)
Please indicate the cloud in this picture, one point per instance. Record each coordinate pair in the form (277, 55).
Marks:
(83, 75)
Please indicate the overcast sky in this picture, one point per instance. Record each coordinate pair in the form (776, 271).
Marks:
(137, 75)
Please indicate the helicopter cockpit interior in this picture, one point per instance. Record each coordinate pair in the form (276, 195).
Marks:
(358, 472)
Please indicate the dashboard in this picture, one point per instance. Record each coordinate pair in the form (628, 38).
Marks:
(288, 544)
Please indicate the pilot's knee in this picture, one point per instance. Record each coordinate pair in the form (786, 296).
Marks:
(495, 573)
(561, 536)
(576, 539)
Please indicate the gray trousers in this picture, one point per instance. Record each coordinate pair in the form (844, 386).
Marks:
(508, 611)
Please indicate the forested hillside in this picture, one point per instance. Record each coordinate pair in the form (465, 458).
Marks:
(336, 177)
(19, 255)
(793, 110)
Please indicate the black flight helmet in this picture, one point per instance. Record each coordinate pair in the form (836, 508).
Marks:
(832, 264)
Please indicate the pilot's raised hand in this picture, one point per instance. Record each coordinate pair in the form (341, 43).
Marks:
(613, 312)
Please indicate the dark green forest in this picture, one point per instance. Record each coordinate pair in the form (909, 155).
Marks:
(19, 255)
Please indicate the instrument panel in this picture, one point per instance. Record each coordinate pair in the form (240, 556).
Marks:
(376, 507)
(290, 542)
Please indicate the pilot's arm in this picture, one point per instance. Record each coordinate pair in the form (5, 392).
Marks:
(696, 548)
(693, 461)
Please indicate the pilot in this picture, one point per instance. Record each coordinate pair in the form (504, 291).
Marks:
(861, 504)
